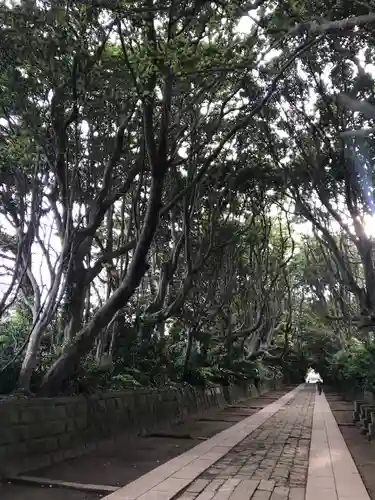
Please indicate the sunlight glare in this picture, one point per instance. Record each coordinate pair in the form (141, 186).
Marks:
(369, 225)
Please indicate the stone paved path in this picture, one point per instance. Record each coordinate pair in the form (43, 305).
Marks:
(290, 450)
(272, 461)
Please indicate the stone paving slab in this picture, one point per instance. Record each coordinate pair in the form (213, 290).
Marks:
(332, 473)
(166, 481)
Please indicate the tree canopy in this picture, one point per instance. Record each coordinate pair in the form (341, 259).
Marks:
(186, 191)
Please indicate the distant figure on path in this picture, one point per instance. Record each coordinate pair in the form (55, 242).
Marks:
(313, 377)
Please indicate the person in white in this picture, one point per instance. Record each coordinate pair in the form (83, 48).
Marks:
(313, 377)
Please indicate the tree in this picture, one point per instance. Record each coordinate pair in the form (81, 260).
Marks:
(136, 134)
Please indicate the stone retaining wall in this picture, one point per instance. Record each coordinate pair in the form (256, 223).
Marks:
(351, 393)
(53, 429)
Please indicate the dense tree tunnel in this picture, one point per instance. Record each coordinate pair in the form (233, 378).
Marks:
(186, 193)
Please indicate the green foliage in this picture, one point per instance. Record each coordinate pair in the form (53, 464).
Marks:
(160, 363)
(124, 381)
(93, 378)
(13, 332)
(317, 349)
(354, 367)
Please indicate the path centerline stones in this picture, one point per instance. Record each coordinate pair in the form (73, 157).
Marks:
(166, 481)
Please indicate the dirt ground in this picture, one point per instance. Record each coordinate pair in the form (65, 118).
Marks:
(362, 451)
(123, 460)
(17, 492)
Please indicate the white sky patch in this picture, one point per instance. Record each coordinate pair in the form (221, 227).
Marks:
(369, 68)
(245, 25)
(369, 225)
